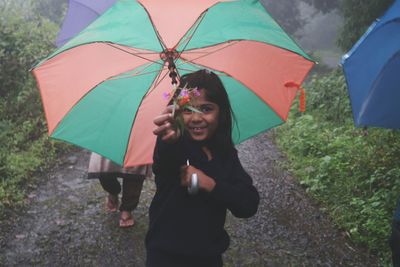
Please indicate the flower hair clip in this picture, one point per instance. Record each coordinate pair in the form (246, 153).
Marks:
(184, 99)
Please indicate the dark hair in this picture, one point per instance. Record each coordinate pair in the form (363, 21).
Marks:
(214, 92)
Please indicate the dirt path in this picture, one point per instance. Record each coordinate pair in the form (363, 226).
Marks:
(65, 223)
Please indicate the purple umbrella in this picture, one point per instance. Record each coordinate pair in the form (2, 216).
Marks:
(79, 15)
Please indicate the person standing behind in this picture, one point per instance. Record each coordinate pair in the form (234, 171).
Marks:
(132, 182)
(198, 177)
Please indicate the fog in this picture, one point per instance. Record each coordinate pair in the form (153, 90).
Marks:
(314, 30)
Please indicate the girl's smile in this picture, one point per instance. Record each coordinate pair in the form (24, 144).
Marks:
(201, 126)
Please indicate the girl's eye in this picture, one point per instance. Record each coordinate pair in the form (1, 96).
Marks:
(206, 108)
(187, 111)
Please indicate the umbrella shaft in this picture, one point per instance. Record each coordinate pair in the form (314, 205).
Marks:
(168, 56)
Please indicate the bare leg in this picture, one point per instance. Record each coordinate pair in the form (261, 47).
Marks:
(112, 186)
(131, 190)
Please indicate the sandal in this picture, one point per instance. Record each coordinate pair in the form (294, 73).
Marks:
(112, 203)
(126, 219)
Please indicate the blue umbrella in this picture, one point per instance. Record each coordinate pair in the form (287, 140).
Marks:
(79, 15)
(372, 70)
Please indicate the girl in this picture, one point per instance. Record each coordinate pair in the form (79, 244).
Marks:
(188, 229)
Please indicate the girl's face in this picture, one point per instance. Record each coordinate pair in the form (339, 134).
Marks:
(201, 126)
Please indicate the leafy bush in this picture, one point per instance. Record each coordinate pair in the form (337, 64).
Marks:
(353, 172)
(23, 42)
(24, 147)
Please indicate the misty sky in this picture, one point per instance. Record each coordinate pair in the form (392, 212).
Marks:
(319, 32)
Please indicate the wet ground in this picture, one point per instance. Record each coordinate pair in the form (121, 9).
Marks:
(65, 223)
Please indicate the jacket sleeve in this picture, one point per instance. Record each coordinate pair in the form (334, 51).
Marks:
(237, 193)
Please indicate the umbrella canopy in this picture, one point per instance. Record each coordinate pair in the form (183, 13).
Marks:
(79, 15)
(372, 70)
(103, 88)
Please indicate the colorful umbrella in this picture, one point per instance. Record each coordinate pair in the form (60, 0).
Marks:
(79, 15)
(372, 70)
(103, 88)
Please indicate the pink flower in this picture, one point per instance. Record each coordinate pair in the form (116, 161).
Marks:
(196, 92)
(184, 93)
(166, 95)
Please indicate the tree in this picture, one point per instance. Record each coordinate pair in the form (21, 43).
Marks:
(24, 40)
(51, 9)
(287, 12)
(358, 15)
(324, 6)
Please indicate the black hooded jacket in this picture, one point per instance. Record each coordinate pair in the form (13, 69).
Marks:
(193, 225)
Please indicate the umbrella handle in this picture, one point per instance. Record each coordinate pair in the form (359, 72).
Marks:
(193, 188)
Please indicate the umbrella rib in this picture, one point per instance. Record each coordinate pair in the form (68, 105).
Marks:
(157, 78)
(193, 50)
(228, 43)
(86, 6)
(189, 38)
(135, 74)
(141, 101)
(196, 65)
(159, 38)
(204, 54)
(157, 81)
(184, 69)
(197, 23)
(83, 5)
(227, 74)
(133, 54)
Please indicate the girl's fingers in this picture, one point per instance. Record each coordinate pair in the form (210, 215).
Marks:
(171, 135)
(166, 115)
(161, 119)
(170, 108)
(184, 175)
(165, 123)
(163, 128)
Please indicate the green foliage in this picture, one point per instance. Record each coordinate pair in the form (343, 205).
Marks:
(329, 94)
(24, 147)
(353, 172)
(20, 168)
(23, 42)
(51, 9)
(358, 15)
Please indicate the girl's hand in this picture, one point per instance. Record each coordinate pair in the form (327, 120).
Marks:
(165, 125)
(205, 182)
